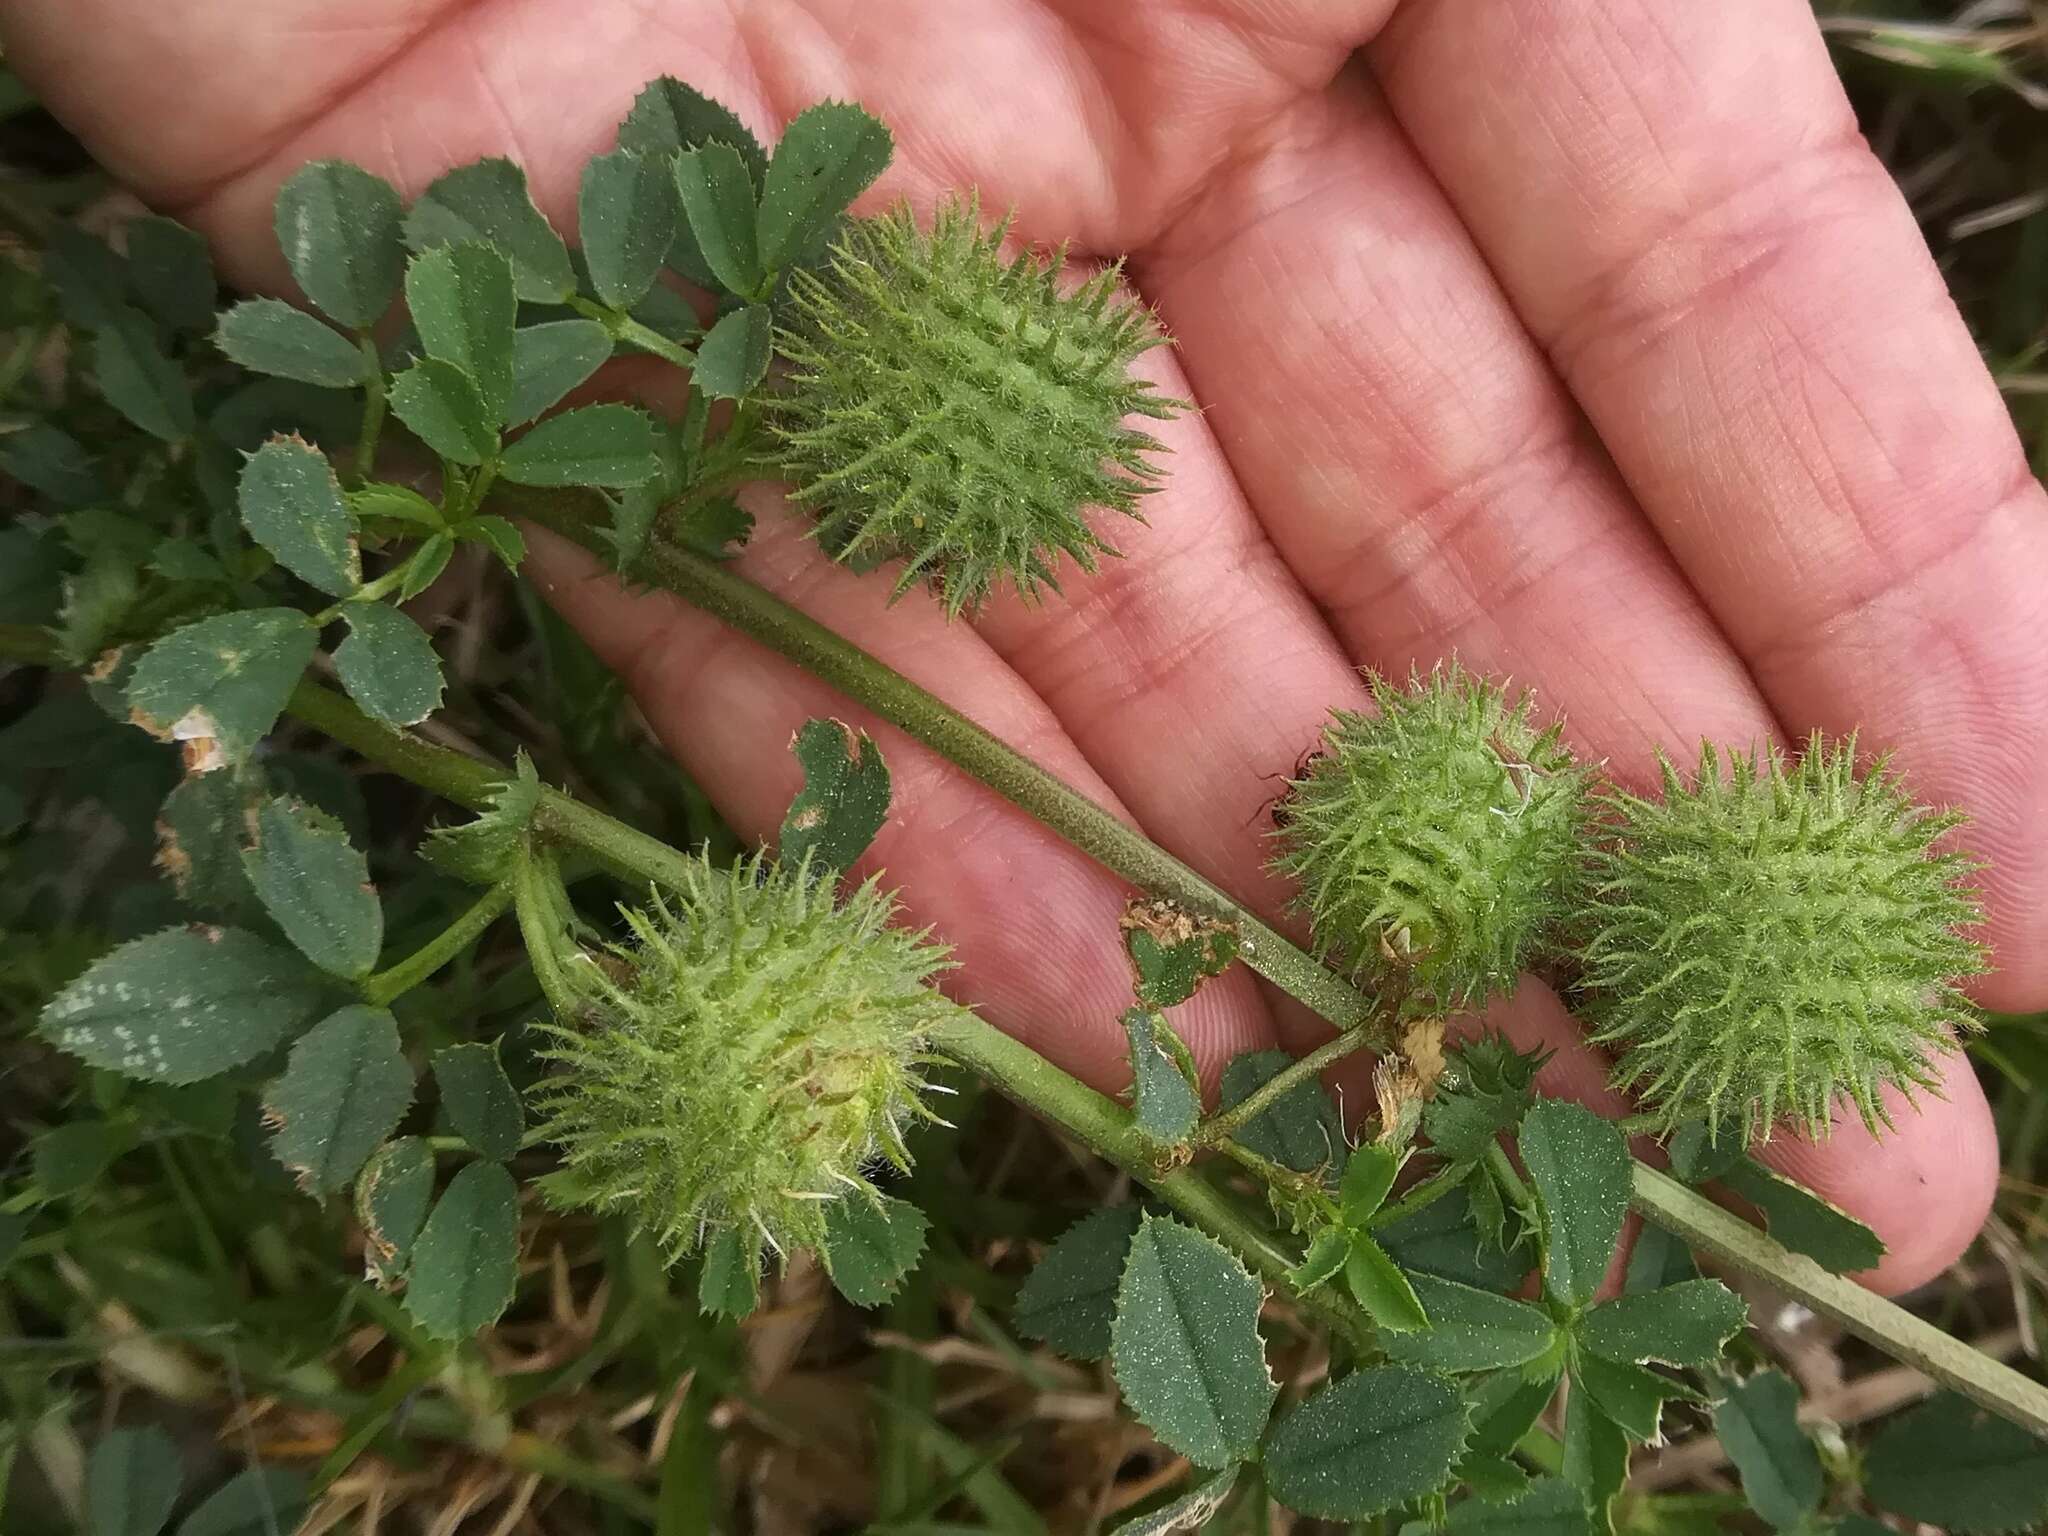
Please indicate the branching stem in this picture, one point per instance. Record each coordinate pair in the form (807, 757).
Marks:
(397, 980)
(1303, 1069)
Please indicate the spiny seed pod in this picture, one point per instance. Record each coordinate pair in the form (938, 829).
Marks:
(1772, 938)
(958, 412)
(1438, 843)
(747, 1056)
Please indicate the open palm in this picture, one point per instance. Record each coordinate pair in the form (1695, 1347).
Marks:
(1587, 342)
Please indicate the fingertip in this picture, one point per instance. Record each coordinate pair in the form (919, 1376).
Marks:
(1924, 1187)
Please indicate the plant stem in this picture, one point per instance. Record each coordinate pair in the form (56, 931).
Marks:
(540, 927)
(1678, 1209)
(1116, 846)
(397, 980)
(1303, 1069)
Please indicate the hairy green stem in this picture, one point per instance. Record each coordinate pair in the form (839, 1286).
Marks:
(1303, 1069)
(1691, 1215)
(540, 927)
(395, 981)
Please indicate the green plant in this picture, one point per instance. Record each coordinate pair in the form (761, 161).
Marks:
(742, 1071)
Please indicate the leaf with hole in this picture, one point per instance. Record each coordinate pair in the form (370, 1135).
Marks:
(465, 1260)
(315, 886)
(388, 665)
(1380, 1437)
(844, 801)
(1174, 951)
(345, 1087)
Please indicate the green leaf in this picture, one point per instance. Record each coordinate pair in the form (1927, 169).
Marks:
(199, 840)
(1595, 1452)
(139, 381)
(610, 445)
(183, 1004)
(1696, 1156)
(257, 1501)
(844, 801)
(270, 336)
(1804, 1222)
(627, 216)
(479, 1098)
(1069, 1300)
(870, 1245)
(551, 359)
(292, 505)
(1173, 951)
(1579, 1166)
(1629, 1395)
(48, 459)
(1685, 1324)
(1325, 1258)
(465, 1260)
(827, 158)
(1165, 1097)
(1442, 1239)
(1759, 1428)
(669, 115)
(464, 309)
(1185, 1345)
(72, 1156)
(171, 272)
(730, 1282)
(392, 1195)
(1376, 1280)
(488, 201)
(1471, 1330)
(345, 1087)
(717, 193)
(400, 503)
(1494, 1479)
(1951, 1464)
(1491, 1093)
(1551, 1507)
(1505, 1408)
(1380, 1437)
(499, 535)
(446, 411)
(1658, 1259)
(426, 566)
(482, 851)
(315, 886)
(132, 1482)
(1189, 1512)
(388, 665)
(733, 356)
(1368, 1176)
(1300, 1131)
(339, 228)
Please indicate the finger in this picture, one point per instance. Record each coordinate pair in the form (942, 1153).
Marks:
(1680, 206)
(1032, 920)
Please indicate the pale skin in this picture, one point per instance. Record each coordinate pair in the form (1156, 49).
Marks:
(1587, 342)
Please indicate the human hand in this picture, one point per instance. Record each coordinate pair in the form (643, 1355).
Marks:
(1586, 342)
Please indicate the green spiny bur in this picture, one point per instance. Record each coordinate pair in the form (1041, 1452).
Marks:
(958, 411)
(1438, 842)
(1776, 935)
(754, 1049)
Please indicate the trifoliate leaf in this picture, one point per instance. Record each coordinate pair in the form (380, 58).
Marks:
(1471, 1330)
(315, 886)
(393, 1192)
(871, 1244)
(464, 309)
(446, 411)
(1550, 1507)
(388, 665)
(1595, 1452)
(182, 1004)
(219, 685)
(1442, 1239)
(730, 1283)
(488, 202)
(139, 381)
(270, 336)
(1189, 1512)
(257, 1501)
(482, 851)
(292, 505)
(610, 445)
(717, 194)
(1505, 1407)
(826, 158)
(627, 217)
(1166, 1098)
(345, 1087)
(1804, 1222)
(339, 229)
(1185, 1344)
(669, 115)
(733, 356)
(1579, 1165)
(1368, 1176)
(1377, 1438)
(1300, 1131)
(844, 801)
(132, 1482)
(1759, 1428)
(1381, 1288)
(1324, 1261)
(465, 1260)
(479, 1098)
(1685, 1324)
(549, 360)
(1952, 1464)
(1632, 1397)
(171, 272)
(1173, 951)
(1069, 1300)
